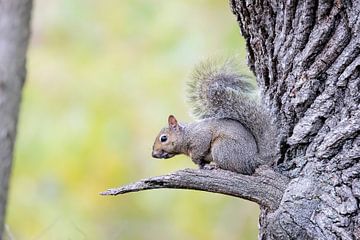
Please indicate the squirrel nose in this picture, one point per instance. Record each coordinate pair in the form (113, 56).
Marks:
(156, 154)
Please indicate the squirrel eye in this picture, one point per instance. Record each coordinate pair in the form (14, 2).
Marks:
(163, 138)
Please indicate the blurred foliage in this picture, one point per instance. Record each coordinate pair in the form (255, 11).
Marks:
(103, 76)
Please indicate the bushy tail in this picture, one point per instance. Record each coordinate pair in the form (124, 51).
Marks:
(217, 90)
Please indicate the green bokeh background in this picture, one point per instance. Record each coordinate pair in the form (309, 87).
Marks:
(102, 78)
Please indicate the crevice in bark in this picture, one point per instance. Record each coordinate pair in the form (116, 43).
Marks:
(313, 92)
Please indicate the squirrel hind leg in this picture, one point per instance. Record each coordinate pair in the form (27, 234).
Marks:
(233, 156)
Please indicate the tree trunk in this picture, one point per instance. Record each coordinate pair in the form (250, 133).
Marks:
(14, 35)
(305, 55)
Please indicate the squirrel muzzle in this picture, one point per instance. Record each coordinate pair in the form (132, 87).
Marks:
(161, 154)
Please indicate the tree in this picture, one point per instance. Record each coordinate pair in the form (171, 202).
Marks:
(14, 36)
(305, 56)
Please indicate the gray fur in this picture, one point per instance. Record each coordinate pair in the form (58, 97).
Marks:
(233, 132)
(213, 140)
(218, 91)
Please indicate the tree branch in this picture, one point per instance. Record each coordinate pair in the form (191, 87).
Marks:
(14, 37)
(265, 187)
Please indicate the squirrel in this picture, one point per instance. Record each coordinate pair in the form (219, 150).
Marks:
(233, 133)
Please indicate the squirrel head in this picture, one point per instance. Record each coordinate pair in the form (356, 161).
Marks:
(168, 142)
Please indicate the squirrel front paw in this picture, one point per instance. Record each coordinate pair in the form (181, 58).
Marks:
(208, 166)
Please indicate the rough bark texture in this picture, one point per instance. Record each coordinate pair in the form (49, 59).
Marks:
(14, 35)
(265, 187)
(305, 55)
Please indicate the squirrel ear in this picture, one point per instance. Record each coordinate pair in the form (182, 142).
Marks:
(173, 124)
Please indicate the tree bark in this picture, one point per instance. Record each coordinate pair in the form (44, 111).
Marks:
(14, 35)
(265, 187)
(305, 56)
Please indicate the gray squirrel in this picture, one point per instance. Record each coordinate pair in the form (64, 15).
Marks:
(233, 133)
